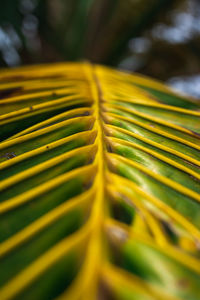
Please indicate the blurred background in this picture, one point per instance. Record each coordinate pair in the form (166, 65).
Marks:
(158, 38)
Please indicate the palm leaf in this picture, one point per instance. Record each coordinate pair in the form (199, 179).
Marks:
(100, 186)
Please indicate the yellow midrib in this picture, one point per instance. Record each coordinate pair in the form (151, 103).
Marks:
(95, 245)
(87, 279)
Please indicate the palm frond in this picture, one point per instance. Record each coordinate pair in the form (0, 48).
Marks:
(100, 182)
